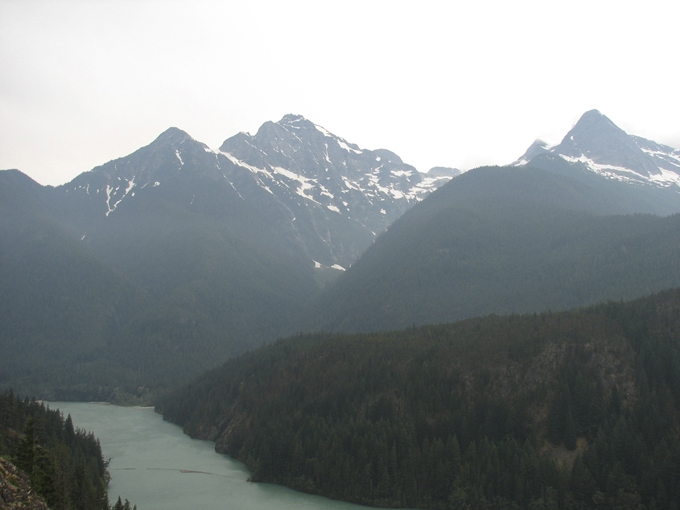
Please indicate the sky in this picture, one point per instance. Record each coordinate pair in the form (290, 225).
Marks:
(440, 83)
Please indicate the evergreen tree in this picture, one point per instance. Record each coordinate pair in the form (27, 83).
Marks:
(67, 476)
(26, 452)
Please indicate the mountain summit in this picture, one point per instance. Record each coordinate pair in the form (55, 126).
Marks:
(324, 184)
(596, 144)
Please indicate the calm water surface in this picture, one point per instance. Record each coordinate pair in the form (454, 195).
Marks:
(156, 466)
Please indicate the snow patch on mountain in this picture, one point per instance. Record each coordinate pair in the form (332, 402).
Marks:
(401, 173)
(609, 171)
(341, 142)
(243, 164)
(111, 191)
(345, 146)
(108, 200)
(666, 178)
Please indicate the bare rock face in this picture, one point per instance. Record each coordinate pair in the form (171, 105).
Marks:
(16, 491)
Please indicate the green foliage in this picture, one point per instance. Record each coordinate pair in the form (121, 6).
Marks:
(122, 506)
(558, 410)
(65, 465)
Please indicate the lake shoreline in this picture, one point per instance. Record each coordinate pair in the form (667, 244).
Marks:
(158, 467)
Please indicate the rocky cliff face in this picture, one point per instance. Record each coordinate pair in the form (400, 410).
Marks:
(16, 491)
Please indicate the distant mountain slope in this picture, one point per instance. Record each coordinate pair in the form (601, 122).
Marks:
(523, 411)
(145, 298)
(60, 307)
(502, 240)
(155, 266)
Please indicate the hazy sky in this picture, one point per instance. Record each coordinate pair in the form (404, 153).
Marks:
(443, 83)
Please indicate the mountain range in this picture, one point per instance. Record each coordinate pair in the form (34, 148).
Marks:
(147, 270)
(155, 266)
(542, 389)
(327, 194)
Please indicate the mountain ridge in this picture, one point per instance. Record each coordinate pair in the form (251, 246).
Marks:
(334, 203)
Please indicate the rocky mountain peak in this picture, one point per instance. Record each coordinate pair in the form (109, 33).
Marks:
(321, 179)
(174, 153)
(295, 121)
(596, 138)
(597, 144)
(594, 118)
(171, 136)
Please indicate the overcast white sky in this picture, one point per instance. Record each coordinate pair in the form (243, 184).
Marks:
(438, 82)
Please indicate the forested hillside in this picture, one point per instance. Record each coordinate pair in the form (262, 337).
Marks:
(64, 464)
(60, 307)
(576, 409)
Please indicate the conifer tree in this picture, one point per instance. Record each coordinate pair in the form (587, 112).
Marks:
(25, 457)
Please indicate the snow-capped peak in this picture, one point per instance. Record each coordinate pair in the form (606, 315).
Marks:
(316, 174)
(595, 143)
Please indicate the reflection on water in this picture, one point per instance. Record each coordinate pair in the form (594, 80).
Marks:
(155, 466)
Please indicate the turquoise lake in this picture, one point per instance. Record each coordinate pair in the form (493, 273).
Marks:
(157, 467)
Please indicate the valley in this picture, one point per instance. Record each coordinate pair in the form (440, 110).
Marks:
(347, 326)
